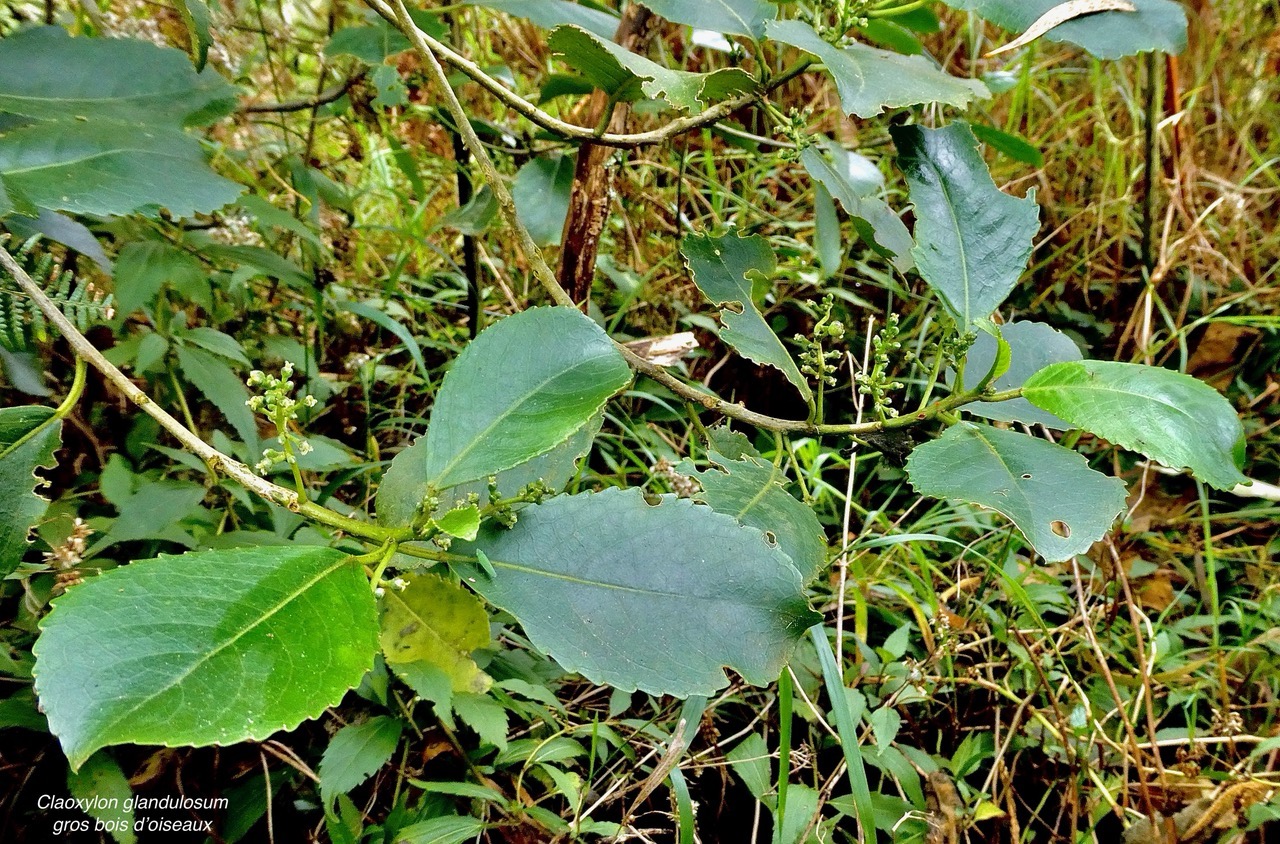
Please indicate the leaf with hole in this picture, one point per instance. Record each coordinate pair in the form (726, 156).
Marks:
(658, 598)
(523, 387)
(869, 79)
(213, 647)
(752, 491)
(28, 441)
(1172, 418)
(625, 75)
(724, 268)
(1049, 492)
(972, 239)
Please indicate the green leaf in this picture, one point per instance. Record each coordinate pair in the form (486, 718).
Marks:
(1059, 503)
(751, 490)
(391, 89)
(357, 752)
(446, 829)
(404, 485)
(1157, 25)
(541, 193)
(732, 17)
(640, 596)
(154, 512)
(1170, 417)
(213, 340)
(384, 320)
(20, 506)
(103, 133)
(143, 268)
(205, 648)
(972, 240)
(549, 14)
(827, 240)
(484, 715)
(375, 43)
(524, 386)
(439, 623)
(869, 79)
(61, 229)
(112, 169)
(1033, 346)
(723, 268)
(842, 175)
(215, 379)
(45, 74)
(624, 75)
(105, 794)
(750, 761)
(1013, 146)
(195, 16)
(461, 522)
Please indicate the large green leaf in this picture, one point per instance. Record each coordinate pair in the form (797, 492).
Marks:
(751, 490)
(641, 596)
(972, 240)
(205, 648)
(625, 75)
(1170, 417)
(541, 192)
(732, 17)
(46, 74)
(839, 171)
(20, 506)
(110, 169)
(1157, 25)
(1033, 346)
(100, 125)
(521, 388)
(869, 79)
(438, 623)
(1059, 503)
(404, 485)
(724, 268)
(552, 13)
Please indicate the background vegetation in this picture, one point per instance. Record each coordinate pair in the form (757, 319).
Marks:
(1028, 702)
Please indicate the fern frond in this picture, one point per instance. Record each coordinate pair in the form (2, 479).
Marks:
(22, 324)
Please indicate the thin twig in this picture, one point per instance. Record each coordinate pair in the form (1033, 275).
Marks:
(323, 98)
(424, 42)
(215, 459)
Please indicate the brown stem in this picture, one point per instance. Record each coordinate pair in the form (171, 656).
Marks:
(592, 178)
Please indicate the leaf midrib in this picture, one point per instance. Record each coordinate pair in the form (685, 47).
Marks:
(522, 400)
(337, 564)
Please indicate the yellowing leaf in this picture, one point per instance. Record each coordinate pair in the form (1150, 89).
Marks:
(439, 623)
